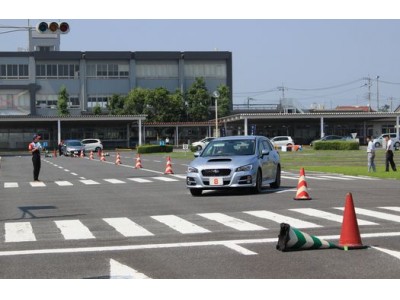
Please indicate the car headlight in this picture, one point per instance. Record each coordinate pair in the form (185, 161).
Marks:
(192, 170)
(244, 168)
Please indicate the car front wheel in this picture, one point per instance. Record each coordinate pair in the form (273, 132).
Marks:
(377, 145)
(258, 188)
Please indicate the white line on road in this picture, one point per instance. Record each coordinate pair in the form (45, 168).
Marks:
(165, 179)
(141, 180)
(336, 177)
(10, 184)
(74, 230)
(264, 214)
(232, 222)
(394, 208)
(387, 251)
(89, 182)
(180, 224)
(63, 183)
(19, 232)
(127, 227)
(37, 184)
(121, 271)
(375, 214)
(114, 181)
(328, 216)
(226, 243)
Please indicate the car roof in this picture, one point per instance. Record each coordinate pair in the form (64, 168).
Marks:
(238, 137)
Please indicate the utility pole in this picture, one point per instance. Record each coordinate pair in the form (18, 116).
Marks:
(369, 91)
(282, 89)
(377, 93)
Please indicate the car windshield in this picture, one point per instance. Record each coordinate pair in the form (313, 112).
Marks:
(229, 148)
(74, 143)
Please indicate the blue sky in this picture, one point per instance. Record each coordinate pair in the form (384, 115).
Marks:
(317, 61)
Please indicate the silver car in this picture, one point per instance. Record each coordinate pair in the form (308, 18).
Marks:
(235, 162)
(72, 148)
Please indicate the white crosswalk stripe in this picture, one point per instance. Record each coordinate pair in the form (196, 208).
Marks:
(232, 222)
(114, 181)
(180, 224)
(328, 216)
(141, 180)
(89, 182)
(336, 177)
(63, 183)
(264, 214)
(11, 185)
(165, 178)
(127, 227)
(19, 232)
(74, 230)
(37, 184)
(375, 214)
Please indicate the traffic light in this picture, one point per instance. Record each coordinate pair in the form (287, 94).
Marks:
(52, 27)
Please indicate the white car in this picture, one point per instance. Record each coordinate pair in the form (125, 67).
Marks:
(279, 141)
(379, 141)
(92, 145)
(200, 145)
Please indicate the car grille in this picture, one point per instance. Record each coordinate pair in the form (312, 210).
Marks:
(216, 172)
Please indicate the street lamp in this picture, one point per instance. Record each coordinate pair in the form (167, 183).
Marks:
(216, 96)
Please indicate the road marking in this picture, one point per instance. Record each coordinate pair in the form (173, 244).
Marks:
(121, 271)
(390, 252)
(232, 222)
(226, 243)
(288, 177)
(336, 177)
(361, 177)
(316, 178)
(89, 182)
(74, 174)
(63, 183)
(141, 180)
(165, 179)
(328, 216)
(264, 214)
(37, 184)
(19, 232)
(74, 230)
(394, 208)
(179, 176)
(114, 181)
(10, 184)
(180, 224)
(375, 214)
(127, 227)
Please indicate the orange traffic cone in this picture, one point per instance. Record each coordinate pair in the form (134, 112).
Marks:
(54, 153)
(302, 193)
(138, 162)
(103, 158)
(118, 159)
(82, 156)
(350, 235)
(168, 169)
(91, 155)
(99, 153)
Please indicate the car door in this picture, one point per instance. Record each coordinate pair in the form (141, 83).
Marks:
(265, 160)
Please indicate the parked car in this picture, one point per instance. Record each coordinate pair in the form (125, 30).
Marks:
(379, 141)
(279, 141)
(235, 162)
(72, 148)
(92, 145)
(200, 145)
(328, 138)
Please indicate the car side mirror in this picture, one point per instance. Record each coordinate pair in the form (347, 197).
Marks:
(197, 154)
(264, 152)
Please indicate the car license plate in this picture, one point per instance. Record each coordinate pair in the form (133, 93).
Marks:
(216, 181)
(75, 152)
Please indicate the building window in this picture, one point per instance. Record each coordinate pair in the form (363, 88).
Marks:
(14, 71)
(101, 101)
(57, 71)
(156, 69)
(108, 71)
(51, 101)
(213, 69)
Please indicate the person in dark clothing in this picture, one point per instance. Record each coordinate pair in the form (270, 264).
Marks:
(35, 148)
(60, 148)
(389, 154)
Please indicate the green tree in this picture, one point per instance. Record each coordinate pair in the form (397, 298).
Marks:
(199, 100)
(162, 106)
(134, 103)
(62, 103)
(97, 110)
(116, 104)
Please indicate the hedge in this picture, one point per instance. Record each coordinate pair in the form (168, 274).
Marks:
(154, 148)
(336, 145)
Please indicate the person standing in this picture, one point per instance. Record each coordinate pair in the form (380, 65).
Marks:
(389, 154)
(371, 154)
(60, 144)
(35, 148)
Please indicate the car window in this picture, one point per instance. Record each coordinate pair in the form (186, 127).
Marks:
(229, 148)
(74, 143)
(267, 145)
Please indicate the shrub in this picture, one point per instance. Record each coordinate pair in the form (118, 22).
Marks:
(336, 145)
(154, 149)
